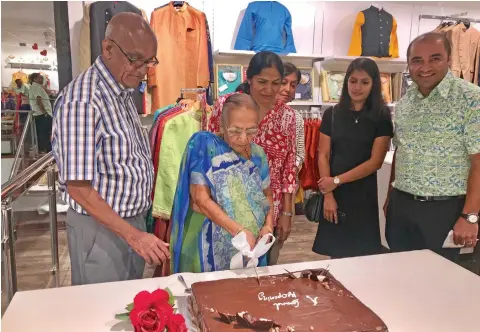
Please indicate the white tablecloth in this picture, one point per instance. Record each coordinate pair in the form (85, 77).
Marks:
(412, 292)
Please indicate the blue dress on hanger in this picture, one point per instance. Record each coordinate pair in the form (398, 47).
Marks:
(266, 26)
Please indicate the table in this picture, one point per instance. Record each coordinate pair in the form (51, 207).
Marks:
(412, 292)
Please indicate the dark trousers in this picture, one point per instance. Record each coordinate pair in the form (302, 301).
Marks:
(43, 123)
(23, 116)
(416, 225)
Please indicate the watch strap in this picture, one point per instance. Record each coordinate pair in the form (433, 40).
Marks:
(466, 216)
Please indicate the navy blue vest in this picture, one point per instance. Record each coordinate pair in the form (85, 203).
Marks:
(376, 32)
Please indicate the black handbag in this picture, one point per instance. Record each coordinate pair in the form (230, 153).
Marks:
(313, 206)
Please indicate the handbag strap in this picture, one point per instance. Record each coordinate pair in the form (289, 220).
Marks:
(331, 132)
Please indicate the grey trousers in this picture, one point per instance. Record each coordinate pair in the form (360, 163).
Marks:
(97, 254)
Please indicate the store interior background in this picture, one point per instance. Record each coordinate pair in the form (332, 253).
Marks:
(20, 25)
(319, 27)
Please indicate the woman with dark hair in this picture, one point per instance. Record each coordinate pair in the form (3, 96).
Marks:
(276, 135)
(354, 139)
(291, 78)
(290, 81)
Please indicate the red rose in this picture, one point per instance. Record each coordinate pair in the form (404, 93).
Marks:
(151, 312)
(176, 323)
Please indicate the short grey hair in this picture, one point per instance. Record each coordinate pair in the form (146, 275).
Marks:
(235, 101)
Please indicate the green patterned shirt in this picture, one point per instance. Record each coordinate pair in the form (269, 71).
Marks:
(435, 136)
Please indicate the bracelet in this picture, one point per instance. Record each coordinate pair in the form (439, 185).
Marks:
(241, 230)
(287, 214)
(270, 228)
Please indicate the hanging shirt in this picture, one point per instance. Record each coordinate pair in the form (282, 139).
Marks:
(374, 34)
(97, 136)
(182, 52)
(300, 140)
(19, 75)
(176, 134)
(266, 26)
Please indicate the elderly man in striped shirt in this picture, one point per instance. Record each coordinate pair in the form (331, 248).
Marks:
(104, 159)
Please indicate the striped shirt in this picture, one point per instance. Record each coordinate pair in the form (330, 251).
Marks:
(97, 136)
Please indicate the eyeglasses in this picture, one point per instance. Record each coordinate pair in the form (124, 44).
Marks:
(137, 63)
(237, 132)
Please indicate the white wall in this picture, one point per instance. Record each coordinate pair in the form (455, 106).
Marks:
(28, 54)
(325, 27)
(75, 15)
(318, 26)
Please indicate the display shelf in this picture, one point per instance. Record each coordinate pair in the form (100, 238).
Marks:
(302, 61)
(386, 65)
(304, 103)
(291, 56)
(26, 65)
(391, 105)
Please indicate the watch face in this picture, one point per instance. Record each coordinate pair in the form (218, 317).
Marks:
(473, 219)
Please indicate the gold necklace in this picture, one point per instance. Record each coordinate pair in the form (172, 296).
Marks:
(247, 153)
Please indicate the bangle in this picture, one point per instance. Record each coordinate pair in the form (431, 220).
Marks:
(287, 214)
(239, 231)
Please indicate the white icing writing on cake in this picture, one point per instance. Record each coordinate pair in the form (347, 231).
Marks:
(281, 296)
(262, 297)
(314, 300)
(293, 303)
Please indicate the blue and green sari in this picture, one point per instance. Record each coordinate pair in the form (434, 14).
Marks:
(236, 184)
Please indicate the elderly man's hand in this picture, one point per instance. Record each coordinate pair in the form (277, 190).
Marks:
(151, 248)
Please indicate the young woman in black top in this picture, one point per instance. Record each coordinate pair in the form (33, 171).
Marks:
(350, 153)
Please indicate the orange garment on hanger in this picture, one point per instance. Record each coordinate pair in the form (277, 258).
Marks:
(309, 175)
(19, 75)
(182, 53)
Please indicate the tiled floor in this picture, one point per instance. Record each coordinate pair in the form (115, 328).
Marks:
(33, 254)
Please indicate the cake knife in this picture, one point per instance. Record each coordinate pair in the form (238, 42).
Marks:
(258, 278)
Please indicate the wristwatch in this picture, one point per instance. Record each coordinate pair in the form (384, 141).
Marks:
(472, 218)
(336, 180)
(287, 214)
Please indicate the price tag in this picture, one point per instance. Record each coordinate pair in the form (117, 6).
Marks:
(142, 87)
(298, 95)
(223, 88)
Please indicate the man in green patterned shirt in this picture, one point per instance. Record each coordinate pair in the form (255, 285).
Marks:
(435, 181)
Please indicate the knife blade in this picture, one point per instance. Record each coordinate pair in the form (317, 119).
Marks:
(258, 278)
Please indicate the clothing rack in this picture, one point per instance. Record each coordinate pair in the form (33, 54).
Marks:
(446, 18)
(193, 90)
(311, 114)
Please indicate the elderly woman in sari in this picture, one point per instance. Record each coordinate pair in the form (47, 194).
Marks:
(223, 189)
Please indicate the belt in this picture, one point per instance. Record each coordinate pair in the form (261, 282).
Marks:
(432, 198)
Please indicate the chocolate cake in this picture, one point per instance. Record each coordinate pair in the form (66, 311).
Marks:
(310, 300)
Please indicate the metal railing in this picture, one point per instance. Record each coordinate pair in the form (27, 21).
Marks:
(9, 189)
(20, 153)
(20, 147)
